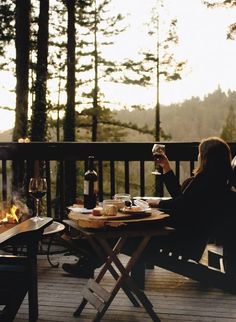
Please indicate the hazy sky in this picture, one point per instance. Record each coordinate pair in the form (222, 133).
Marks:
(202, 42)
(211, 57)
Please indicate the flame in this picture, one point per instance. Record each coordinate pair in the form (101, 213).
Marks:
(12, 214)
(11, 217)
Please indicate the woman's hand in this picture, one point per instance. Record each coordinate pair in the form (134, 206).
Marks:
(163, 161)
(153, 203)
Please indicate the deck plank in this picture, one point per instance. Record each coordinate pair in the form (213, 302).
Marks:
(175, 298)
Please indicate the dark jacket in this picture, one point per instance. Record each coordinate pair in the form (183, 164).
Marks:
(195, 210)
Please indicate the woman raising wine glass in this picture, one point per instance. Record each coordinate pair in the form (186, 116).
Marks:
(37, 189)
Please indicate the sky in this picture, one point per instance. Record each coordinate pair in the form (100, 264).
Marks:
(202, 42)
(211, 57)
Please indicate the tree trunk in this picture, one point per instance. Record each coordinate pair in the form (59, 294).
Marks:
(95, 90)
(22, 68)
(39, 116)
(69, 120)
(22, 40)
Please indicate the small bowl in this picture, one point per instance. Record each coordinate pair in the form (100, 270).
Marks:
(118, 203)
(122, 196)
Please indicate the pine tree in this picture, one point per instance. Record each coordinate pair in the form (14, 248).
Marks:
(98, 28)
(69, 120)
(22, 44)
(7, 30)
(57, 67)
(7, 36)
(39, 111)
(229, 128)
(156, 63)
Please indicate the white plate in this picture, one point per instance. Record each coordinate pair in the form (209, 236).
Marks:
(130, 212)
(153, 198)
(80, 210)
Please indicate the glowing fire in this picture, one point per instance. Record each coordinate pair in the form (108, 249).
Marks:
(11, 216)
(18, 212)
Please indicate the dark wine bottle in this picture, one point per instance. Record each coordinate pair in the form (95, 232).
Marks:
(90, 185)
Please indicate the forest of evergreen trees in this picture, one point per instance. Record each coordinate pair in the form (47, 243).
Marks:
(191, 120)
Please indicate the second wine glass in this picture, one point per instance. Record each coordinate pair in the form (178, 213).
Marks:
(37, 189)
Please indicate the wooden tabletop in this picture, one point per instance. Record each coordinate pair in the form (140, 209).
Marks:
(153, 216)
(152, 226)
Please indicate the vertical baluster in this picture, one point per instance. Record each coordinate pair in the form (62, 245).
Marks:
(177, 170)
(112, 177)
(100, 180)
(142, 178)
(49, 198)
(4, 180)
(62, 188)
(127, 190)
(159, 185)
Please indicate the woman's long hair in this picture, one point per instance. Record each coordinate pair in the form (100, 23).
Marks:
(214, 158)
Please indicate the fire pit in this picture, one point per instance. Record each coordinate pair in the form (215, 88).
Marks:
(27, 232)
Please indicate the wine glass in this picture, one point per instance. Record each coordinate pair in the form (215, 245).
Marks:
(157, 150)
(37, 189)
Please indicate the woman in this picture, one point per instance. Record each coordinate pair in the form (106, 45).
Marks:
(197, 206)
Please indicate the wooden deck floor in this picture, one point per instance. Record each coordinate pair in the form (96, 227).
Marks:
(174, 298)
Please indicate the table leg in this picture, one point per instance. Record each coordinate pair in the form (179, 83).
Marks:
(107, 266)
(80, 308)
(125, 275)
(123, 280)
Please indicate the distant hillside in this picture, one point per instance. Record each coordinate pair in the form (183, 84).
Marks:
(192, 120)
(6, 136)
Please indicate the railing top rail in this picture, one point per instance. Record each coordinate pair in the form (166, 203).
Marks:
(176, 151)
(100, 150)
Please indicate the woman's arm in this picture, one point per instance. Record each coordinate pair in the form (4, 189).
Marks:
(169, 177)
(172, 184)
(169, 180)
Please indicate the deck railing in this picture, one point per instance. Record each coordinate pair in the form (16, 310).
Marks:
(121, 167)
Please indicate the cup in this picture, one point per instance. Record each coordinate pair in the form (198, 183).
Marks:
(110, 210)
(110, 207)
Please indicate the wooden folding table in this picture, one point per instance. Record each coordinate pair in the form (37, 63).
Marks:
(144, 229)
